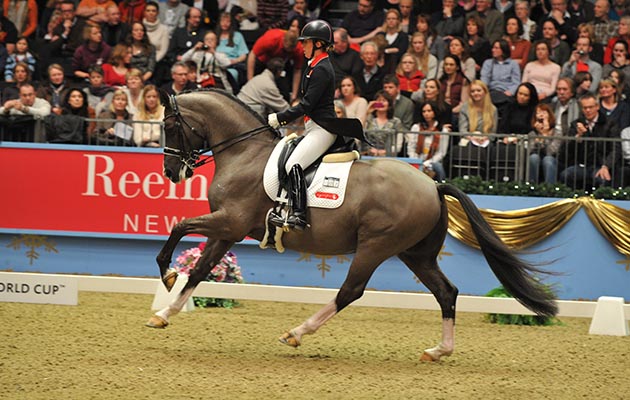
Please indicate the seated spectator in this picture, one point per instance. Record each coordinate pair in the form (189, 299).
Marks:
(623, 33)
(300, 9)
(434, 42)
(21, 75)
(590, 163)
(560, 51)
(94, 51)
(99, 94)
(370, 79)
(67, 37)
(23, 14)
(109, 132)
(183, 39)
(619, 77)
(142, 51)
(454, 85)
(295, 24)
(21, 54)
(180, 83)
(620, 59)
(403, 106)
(397, 41)
(363, 23)
(95, 11)
(17, 117)
(354, 104)
(382, 129)
(211, 64)
(519, 112)
(501, 74)
(262, 94)
(610, 105)
(493, 19)
(428, 146)
(432, 92)
(583, 81)
(344, 59)
(149, 110)
(543, 73)
(114, 31)
(409, 75)
(210, 10)
(519, 47)
(232, 44)
(543, 149)
(340, 109)
(580, 61)
(75, 103)
(457, 47)
(427, 62)
(522, 12)
(478, 45)
(566, 24)
(131, 10)
(55, 90)
(118, 65)
(449, 22)
(174, 14)
(565, 105)
(133, 90)
(156, 31)
(407, 15)
(597, 49)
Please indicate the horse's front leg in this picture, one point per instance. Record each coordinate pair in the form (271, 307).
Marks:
(211, 255)
(210, 225)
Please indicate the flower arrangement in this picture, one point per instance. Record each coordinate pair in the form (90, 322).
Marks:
(227, 270)
(513, 319)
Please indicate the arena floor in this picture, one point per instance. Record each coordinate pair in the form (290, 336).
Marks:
(101, 350)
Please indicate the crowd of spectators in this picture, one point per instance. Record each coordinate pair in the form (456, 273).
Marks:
(411, 70)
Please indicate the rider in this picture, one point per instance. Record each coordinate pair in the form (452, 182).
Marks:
(317, 92)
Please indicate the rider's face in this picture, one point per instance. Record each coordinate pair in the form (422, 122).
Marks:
(308, 47)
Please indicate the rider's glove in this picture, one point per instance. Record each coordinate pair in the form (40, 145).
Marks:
(273, 122)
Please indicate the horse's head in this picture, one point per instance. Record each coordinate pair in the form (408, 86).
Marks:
(182, 141)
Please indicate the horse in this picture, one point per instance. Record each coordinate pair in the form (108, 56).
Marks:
(391, 209)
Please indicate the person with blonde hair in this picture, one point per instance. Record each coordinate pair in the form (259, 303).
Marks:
(118, 65)
(149, 110)
(478, 114)
(114, 122)
(397, 40)
(408, 74)
(133, 89)
(427, 62)
(610, 105)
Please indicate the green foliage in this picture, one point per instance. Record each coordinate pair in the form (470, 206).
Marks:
(475, 185)
(212, 302)
(514, 319)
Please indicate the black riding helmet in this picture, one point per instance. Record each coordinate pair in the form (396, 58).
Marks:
(317, 30)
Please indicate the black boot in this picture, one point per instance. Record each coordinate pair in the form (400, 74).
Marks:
(297, 201)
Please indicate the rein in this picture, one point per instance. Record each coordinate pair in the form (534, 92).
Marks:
(191, 158)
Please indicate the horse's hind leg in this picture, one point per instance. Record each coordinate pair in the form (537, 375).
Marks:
(422, 260)
(212, 254)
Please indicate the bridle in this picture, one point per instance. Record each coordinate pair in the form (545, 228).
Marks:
(192, 157)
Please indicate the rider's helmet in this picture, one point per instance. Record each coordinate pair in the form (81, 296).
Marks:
(317, 30)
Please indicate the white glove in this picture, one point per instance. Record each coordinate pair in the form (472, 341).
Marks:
(428, 164)
(272, 120)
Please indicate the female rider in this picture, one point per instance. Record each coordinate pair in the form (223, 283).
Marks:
(322, 125)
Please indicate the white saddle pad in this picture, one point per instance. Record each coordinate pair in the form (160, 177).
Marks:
(327, 189)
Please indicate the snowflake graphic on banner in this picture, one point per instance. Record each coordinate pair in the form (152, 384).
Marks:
(32, 244)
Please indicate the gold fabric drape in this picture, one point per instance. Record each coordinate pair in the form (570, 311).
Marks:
(520, 229)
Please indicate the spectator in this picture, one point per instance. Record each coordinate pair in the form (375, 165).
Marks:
(493, 20)
(118, 65)
(542, 73)
(113, 30)
(211, 64)
(382, 128)
(209, 12)
(604, 28)
(582, 11)
(21, 76)
(543, 145)
(131, 11)
(590, 162)
(142, 51)
(478, 45)
(180, 83)
(583, 82)
(272, 14)
(407, 16)
(370, 78)
(95, 11)
(261, 93)
(623, 177)
(448, 22)
(98, 93)
(427, 62)
(560, 50)
(21, 54)
(8, 34)
(429, 147)
(94, 51)
(75, 103)
(564, 23)
(434, 42)
(521, 10)
(23, 14)
(156, 31)
(505, 7)
(620, 59)
(232, 44)
(618, 10)
(283, 44)
(363, 23)
(300, 9)
(114, 125)
(519, 113)
(56, 89)
(345, 60)
(454, 85)
(397, 41)
(581, 62)
(175, 14)
(615, 110)
(519, 47)
(457, 47)
(433, 92)
(403, 106)
(133, 89)
(146, 127)
(183, 39)
(619, 77)
(597, 50)
(409, 75)
(501, 74)
(623, 33)
(565, 105)
(67, 37)
(354, 104)
(26, 104)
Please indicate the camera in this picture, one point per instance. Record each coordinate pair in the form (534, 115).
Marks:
(581, 52)
(378, 104)
(204, 47)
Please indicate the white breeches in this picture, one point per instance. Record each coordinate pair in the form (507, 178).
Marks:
(316, 141)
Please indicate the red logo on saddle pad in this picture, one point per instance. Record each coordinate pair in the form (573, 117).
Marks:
(324, 195)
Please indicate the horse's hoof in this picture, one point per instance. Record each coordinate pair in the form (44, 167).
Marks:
(169, 279)
(157, 322)
(428, 357)
(289, 339)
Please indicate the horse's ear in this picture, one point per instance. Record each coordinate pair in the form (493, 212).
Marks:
(165, 101)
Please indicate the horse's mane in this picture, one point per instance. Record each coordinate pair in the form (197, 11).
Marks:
(237, 101)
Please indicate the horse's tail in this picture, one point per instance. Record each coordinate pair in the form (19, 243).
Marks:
(513, 273)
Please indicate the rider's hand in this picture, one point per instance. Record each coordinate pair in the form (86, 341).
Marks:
(272, 120)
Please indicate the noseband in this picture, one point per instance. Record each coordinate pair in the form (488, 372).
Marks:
(191, 157)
